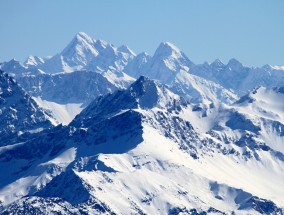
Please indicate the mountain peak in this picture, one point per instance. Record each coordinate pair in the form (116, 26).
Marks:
(142, 88)
(234, 63)
(266, 67)
(173, 55)
(166, 63)
(217, 63)
(13, 61)
(19, 112)
(150, 93)
(77, 54)
(33, 61)
(169, 44)
(80, 44)
(126, 50)
(141, 83)
(168, 49)
(83, 36)
(144, 94)
(12, 66)
(86, 53)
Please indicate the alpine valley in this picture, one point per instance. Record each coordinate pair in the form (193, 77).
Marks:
(97, 129)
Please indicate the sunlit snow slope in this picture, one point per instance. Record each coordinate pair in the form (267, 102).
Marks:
(141, 151)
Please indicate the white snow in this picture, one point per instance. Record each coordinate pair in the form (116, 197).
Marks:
(63, 113)
(150, 168)
(33, 61)
(278, 67)
(64, 158)
(157, 171)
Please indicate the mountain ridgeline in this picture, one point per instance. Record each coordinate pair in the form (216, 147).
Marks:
(97, 129)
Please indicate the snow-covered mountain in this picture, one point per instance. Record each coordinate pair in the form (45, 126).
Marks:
(166, 62)
(168, 65)
(206, 83)
(171, 66)
(63, 88)
(264, 102)
(66, 94)
(180, 139)
(239, 78)
(17, 69)
(13, 66)
(83, 52)
(144, 150)
(265, 108)
(85, 69)
(19, 113)
(34, 61)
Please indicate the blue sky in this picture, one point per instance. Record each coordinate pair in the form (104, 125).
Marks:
(250, 31)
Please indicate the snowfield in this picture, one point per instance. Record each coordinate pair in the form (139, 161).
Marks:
(97, 129)
(63, 113)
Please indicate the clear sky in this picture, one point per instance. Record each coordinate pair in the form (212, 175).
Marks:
(251, 31)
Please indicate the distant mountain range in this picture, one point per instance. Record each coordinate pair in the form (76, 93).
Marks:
(141, 134)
